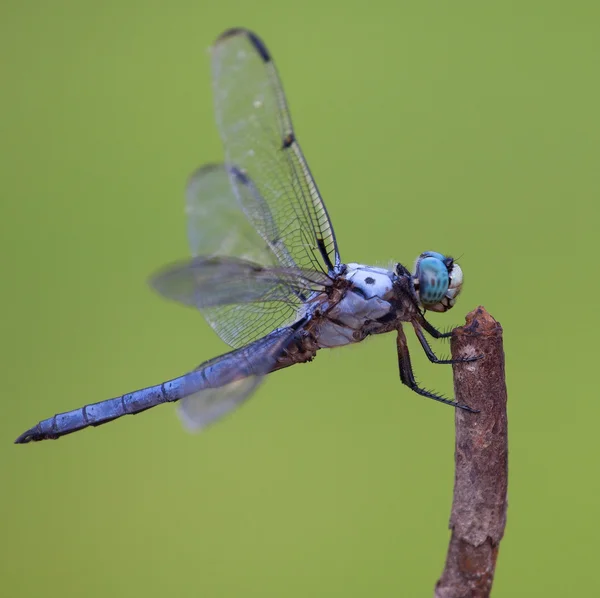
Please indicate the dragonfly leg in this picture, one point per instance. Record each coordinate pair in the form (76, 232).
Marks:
(431, 329)
(432, 356)
(408, 378)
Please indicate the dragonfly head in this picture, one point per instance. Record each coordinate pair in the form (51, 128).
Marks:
(438, 280)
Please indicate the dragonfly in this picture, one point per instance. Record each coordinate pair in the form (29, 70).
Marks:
(265, 270)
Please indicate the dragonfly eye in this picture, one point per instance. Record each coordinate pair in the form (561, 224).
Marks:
(438, 281)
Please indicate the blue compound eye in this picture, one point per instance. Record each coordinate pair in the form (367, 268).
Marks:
(432, 274)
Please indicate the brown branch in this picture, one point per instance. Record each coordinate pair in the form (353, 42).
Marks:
(481, 477)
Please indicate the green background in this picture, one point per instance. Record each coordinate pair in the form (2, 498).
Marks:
(465, 127)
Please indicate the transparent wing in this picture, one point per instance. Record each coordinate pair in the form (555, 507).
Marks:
(201, 409)
(232, 378)
(240, 302)
(205, 282)
(216, 222)
(258, 138)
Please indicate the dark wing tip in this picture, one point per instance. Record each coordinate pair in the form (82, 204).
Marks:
(210, 167)
(239, 175)
(204, 170)
(258, 44)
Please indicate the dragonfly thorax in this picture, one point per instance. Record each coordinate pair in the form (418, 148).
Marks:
(366, 299)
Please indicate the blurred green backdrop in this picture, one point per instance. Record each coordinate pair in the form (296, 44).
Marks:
(467, 127)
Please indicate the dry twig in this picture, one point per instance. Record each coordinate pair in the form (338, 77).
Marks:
(479, 506)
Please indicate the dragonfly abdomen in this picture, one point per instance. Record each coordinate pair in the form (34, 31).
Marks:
(252, 361)
(103, 412)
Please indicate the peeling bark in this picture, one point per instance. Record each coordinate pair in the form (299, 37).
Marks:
(481, 461)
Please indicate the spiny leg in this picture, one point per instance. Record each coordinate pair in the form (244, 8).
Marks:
(431, 329)
(432, 356)
(408, 378)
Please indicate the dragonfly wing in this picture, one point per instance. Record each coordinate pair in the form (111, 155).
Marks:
(216, 222)
(199, 410)
(222, 280)
(205, 282)
(243, 301)
(258, 138)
